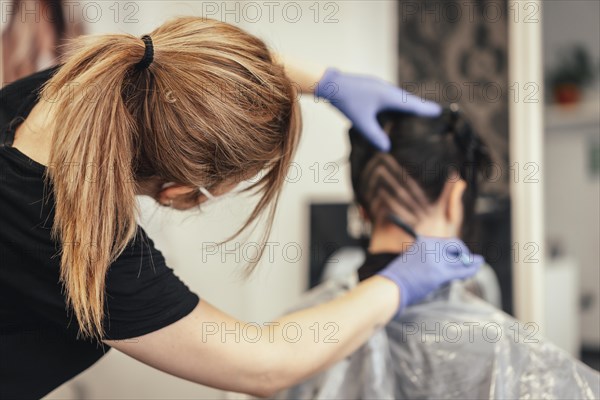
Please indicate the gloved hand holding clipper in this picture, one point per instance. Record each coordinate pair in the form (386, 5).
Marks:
(427, 265)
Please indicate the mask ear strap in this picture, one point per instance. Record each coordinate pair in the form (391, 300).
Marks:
(205, 192)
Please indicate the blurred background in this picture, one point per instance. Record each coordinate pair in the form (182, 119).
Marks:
(447, 51)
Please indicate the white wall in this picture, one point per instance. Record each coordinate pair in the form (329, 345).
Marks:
(362, 40)
(572, 212)
(566, 22)
(572, 195)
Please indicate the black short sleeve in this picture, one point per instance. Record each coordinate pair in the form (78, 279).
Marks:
(142, 293)
(39, 343)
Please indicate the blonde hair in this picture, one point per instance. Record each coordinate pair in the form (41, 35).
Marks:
(212, 106)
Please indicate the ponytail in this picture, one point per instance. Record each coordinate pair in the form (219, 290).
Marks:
(202, 107)
(95, 208)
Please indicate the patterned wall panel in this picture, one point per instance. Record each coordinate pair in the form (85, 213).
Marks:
(455, 51)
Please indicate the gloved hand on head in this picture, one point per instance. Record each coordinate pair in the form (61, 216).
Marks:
(361, 98)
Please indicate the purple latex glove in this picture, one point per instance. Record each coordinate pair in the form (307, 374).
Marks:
(361, 98)
(427, 265)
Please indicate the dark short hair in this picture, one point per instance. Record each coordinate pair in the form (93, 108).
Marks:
(429, 149)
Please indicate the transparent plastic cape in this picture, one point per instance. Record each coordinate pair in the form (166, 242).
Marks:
(451, 346)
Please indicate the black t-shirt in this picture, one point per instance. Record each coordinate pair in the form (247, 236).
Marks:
(375, 262)
(39, 348)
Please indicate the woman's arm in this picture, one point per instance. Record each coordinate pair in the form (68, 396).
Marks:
(212, 348)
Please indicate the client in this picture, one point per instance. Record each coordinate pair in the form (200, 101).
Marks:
(453, 345)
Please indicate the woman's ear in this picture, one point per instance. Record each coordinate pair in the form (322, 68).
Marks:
(455, 189)
(172, 192)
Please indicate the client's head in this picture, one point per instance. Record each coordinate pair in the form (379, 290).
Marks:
(429, 179)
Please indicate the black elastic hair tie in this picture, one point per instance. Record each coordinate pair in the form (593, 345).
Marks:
(148, 54)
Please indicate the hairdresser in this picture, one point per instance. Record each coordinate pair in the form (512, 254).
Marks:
(181, 115)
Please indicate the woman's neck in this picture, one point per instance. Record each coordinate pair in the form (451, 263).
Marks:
(388, 238)
(33, 136)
